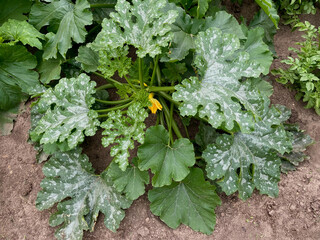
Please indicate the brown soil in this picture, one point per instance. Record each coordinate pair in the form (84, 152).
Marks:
(294, 215)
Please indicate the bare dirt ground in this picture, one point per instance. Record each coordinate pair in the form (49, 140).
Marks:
(294, 215)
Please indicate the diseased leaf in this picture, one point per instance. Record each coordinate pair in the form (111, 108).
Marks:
(144, 27)
(70, 178)
(166, 162)
(16, 65)
(14, 30)
(69, 117)
(300, 142)
(7, 117)
(185, 30)
(268, 8)
(123, 131)
(220, 96)
(66, 20)
(88, 58)
(14, 9)
(132, 181)
(244, 162)
(191, 202)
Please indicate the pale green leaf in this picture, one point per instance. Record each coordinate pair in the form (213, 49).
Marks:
(70, 178)
(88, 58)
(244, 162)
(122, 131)
(191, 202)
(220, 96)
(69, 117)
(166, 162)
(14, 30)
(14, 9)
(132, 181)
(66, 20)
(16, 65)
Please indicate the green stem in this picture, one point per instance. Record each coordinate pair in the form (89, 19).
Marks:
(169, 98)
(114, 108)
(140, 61)
(165, 89)
(107, 78)
(154, 70)
(161, 118)
(102, 5)
(113, 102)
(37, 95)
(130, 83)
(198, 157)
(174, 124)
(105, 86)
(158, 75)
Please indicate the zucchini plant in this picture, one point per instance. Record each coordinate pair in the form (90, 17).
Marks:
(183, 68)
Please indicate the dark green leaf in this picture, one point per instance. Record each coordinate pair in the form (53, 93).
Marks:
(14, 9)
(191, 202)
(66, 20)
(132, 181)
(166, 162)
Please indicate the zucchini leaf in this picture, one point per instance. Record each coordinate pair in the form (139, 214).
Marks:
(101, 13)
(70, 177)
(66, 20)
(191, 202)
(7, 117)
(300, 142)
(243, 162)
(140, 25)
(14, 30)
(50, 69)
(14, 9)
(68, 117)
(16, 65)
(268, 7)
(88, 58)
(220, 96)
(132, 181)
(165, 161)
(122, 131)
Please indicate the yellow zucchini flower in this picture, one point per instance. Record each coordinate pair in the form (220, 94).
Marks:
(155, 104)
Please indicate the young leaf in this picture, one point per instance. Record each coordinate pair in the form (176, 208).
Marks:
(132, 181)
(173, 71)
(165, 161)
(202, 8)
(205, 136)
(220, 95)
(14, 9)
(191, 202)
(88, 58)
(70, 176)
(16, 65)
(14, 30)
(66, 20)
(123, 131)
(69, 117)
(144, 27)
(254, 155)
